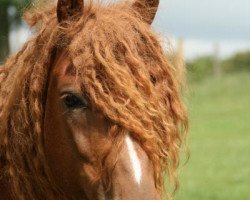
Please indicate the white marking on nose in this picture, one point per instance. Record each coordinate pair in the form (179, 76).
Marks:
(134, 160)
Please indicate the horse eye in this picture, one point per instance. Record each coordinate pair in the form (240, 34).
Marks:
(73, 102)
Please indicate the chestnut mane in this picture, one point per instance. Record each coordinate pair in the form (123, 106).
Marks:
(125, 73)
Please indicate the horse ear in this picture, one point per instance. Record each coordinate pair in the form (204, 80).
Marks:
(69, 10)
(147, 9)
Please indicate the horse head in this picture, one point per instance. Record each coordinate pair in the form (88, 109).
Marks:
(99, 104)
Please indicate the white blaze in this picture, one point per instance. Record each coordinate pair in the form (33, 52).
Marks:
(134, 160)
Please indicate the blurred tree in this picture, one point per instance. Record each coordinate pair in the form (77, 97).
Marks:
(200, 68)
(238, 62)
(8, 16)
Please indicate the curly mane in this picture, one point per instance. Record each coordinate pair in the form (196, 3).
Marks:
(124, 71)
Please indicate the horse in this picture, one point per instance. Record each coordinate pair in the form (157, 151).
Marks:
(90, 106)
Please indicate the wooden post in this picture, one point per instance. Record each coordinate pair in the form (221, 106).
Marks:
(180, 63)
(216, 61)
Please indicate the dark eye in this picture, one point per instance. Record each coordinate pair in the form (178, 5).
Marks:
(73, 102)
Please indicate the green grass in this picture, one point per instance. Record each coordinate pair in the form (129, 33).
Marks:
(219, 140)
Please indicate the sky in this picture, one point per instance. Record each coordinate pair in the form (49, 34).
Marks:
(200, 23)
(204, 23)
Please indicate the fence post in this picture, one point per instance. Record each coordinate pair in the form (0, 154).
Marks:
(180, 63)
(216, 61)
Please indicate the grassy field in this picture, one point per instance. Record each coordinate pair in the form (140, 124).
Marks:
(219, 141)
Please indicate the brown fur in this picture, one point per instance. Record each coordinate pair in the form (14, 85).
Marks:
(124, 71)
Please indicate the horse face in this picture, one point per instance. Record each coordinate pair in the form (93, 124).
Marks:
(75, 138)
(72, 141)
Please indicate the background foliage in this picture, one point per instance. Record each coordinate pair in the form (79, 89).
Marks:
(219, 108)
(202, 67)
(10, 15)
